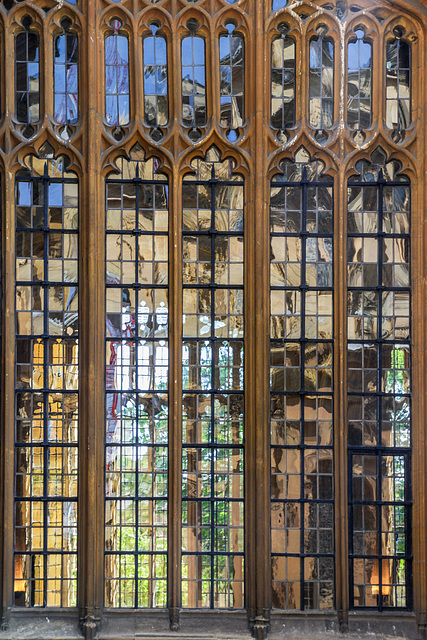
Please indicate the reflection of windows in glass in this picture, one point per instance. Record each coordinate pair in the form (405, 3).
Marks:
(359, 83)
(116, 77)
(321, 81)
(283, 82)
(66, 78)
(213, 398)
(27, 75)
(231, 75)
(301, 371)
(398, 83)
(155, 80)
(193, 81)
(46, 386)
(379, 383)
(137, 356)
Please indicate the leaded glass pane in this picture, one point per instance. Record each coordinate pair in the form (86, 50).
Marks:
(231, 72)
(116, 77)
(27, 77)
(283, 82)
(66, 79)
(359, 83)
(156, 112)
(321, 94)
(398, 84)
(193, 84)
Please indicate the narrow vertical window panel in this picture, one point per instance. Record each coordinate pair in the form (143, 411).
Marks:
(213, 394)
(301, 373)
(321, 80)
(137, 369)
(66, 59)
(193, 81)
(379, 386)
(156, 111)
(46, 423)
(283, 83)
(231, 79)
(117, 94)
(27, 77)
(398, 84)
(359, 83)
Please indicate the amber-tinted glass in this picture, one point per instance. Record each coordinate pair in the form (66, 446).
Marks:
(46, 386)
(27, 77)
(359, 83)
(231, 74)
(193, 81)
(321, 105)
(116, 77)
(379, 384)
(283, 82)
(137, 356)
(302, 508)
(155, 80)
(213, 400)
(398, 84)
(66, 58)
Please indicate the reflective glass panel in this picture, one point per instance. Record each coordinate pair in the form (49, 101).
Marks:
(155, 80)
(193, 84)
(359, 83)
(46, 421)
(231, 78)
(379, 385)
(137, 370)
(283, 82)
(321, 95)
(116, 77)
(398, 84)
(301, 371)
(66, 60)
(213, 399)
(27, 77)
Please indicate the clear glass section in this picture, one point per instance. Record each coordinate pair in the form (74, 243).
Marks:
(379, 384)
(213, 398)
(27, 77)
(359, 83)
(137, 370)
(193, 83)
(398, 84)
(66, 58)
(301, 371)
(46, 421)
(283, 83)
(156, 113)
(232, 79)
(116, 77)
(321, 94)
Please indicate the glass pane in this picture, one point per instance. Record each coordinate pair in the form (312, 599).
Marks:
(116, 79)
(398, 84)
(231, 79)
(359, 83)
(193, 84)
(155, 80)
(66, 79)
(27, 90)
(321, 82)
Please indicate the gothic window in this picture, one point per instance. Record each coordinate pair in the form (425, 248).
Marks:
(231, 70)
(27, 74)
(283, 81)
(359, 82)
(66, 57)
(193, 84)
(156, 111)
(398, 82)
(116, 77)
(47, 380)
(321, 81)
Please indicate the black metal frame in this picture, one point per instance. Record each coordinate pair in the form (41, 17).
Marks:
(380, 450)
(213, 233)
(304, 184)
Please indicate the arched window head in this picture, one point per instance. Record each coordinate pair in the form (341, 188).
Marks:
(283, 80)
(27, 76)
(398, 81)
(232, 80)
(116, 77)
(321, 102)
(359, 82)
(193, 83)
(156, 112)
(137, 371)
(66, 58)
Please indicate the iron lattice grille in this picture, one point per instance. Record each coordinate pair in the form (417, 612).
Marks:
(46, 431)
(379, 387)
(302, 500)
(137, 372)
(213, 399)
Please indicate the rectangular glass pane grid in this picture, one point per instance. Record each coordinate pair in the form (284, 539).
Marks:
(155, 81)
(231, 78)
(46, 390)
(66, 78)
(379, 388)
(213, 400)
(193, 81)
(137, 356)
(301, 365)
(283, 83)
(27, 77)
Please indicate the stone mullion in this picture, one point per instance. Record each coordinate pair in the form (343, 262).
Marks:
(92, 332)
